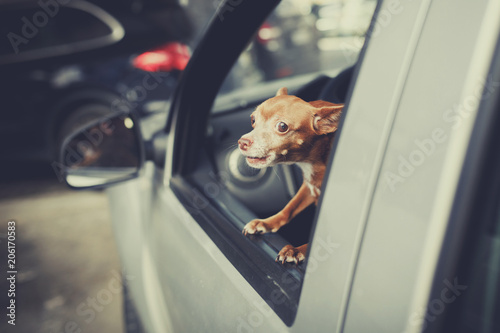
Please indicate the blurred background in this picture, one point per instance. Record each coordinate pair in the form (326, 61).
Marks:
(63, 66)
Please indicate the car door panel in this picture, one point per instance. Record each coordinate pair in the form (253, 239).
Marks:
(203, 290)
(130, 208)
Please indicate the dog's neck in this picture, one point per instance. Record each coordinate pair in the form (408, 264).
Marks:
(313, 165)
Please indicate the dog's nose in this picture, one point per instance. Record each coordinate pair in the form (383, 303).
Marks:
(244, 143)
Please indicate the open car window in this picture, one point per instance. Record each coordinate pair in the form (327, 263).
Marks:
(311, 47)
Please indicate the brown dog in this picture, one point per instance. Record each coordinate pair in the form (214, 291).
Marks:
(288, 130)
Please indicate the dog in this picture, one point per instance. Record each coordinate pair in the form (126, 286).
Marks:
(289, 130)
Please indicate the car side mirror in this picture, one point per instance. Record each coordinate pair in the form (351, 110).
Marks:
(108, 151)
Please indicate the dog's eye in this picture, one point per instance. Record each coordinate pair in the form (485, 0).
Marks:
(252, 120)
(281, 127)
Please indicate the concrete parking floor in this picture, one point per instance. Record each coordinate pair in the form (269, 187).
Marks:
(68, 273)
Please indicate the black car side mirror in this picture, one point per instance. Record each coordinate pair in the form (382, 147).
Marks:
(108, 151)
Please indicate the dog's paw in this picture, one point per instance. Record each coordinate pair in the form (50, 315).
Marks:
(292, 254)
(258, 227)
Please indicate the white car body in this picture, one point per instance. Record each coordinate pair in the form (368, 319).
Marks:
(386, 203)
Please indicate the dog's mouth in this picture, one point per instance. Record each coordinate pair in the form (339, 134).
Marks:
(252, 160)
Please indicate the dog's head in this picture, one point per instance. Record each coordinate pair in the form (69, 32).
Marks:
(285, 128)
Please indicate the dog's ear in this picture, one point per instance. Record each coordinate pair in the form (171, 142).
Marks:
(326, 118)
(282, 91)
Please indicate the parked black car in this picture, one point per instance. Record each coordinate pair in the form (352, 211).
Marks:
(63, 63)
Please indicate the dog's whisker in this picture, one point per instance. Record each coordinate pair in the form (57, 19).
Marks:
(277, 175)
(231, 146)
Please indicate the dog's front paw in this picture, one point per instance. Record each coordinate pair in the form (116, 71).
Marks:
(292, 254)
(258, 227)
